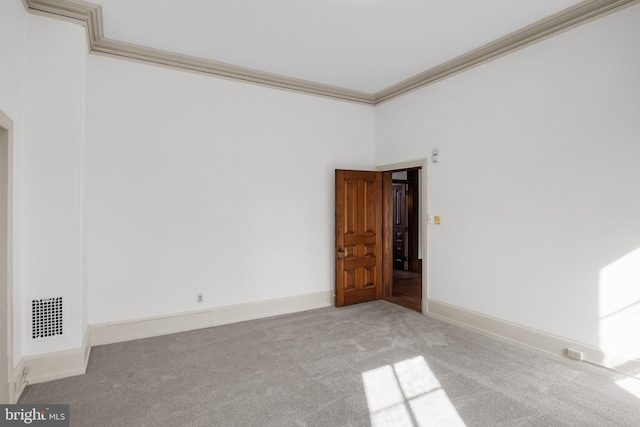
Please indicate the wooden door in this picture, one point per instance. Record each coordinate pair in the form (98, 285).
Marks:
(359, 244)
(400, 227)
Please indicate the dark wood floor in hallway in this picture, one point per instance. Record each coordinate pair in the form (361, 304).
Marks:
(407, 290)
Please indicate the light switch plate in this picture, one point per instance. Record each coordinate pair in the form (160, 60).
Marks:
(436, 220)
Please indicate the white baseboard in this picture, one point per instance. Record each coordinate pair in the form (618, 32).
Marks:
(523, 335)
(18, 382)
(108, 333)
(48, 367)
(68, 363)
(54, 366)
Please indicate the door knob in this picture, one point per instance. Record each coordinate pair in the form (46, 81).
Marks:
(341, 249)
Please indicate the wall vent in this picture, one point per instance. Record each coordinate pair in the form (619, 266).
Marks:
(46, 317)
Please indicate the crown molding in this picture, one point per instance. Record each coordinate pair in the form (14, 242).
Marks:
(191, 63)
(561, 21)
(77, 11)
(90, 16)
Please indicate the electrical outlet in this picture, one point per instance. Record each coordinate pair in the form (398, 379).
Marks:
(200, 298)
(575, 354)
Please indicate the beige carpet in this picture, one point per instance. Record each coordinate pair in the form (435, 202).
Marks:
(370, 364)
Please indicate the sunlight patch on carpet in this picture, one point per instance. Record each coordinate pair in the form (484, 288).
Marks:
(407, 393)
(630, 384)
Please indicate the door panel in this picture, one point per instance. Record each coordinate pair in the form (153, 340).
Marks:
(358, 236)
(400, 227)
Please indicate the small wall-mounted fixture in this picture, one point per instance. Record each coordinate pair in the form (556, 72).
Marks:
(434, 156)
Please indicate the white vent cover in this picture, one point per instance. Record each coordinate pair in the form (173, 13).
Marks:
(46, 317)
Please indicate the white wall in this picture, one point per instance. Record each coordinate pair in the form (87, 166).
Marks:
(41, 89)
(51, 179)
(537, 181)
(203, 185)
(13, 21)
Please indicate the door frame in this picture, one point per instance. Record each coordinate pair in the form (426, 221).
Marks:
(7, 125)
(422, 164)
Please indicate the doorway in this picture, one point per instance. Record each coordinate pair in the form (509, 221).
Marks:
(364, 244)
(406, 280)
(6, 305)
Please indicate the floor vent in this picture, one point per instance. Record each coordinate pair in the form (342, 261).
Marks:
(46, 317)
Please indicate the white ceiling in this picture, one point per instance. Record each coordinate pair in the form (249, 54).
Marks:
(364, 45)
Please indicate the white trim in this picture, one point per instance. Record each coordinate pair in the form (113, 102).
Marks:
(18, 382)
(422, 164)
(61, 364)
(523, 335)
(7, 124)
(112, 332)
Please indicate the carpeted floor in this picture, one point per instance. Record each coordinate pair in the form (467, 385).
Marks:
(370, 364)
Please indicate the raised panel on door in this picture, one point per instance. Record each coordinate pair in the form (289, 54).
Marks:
(400, 225)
